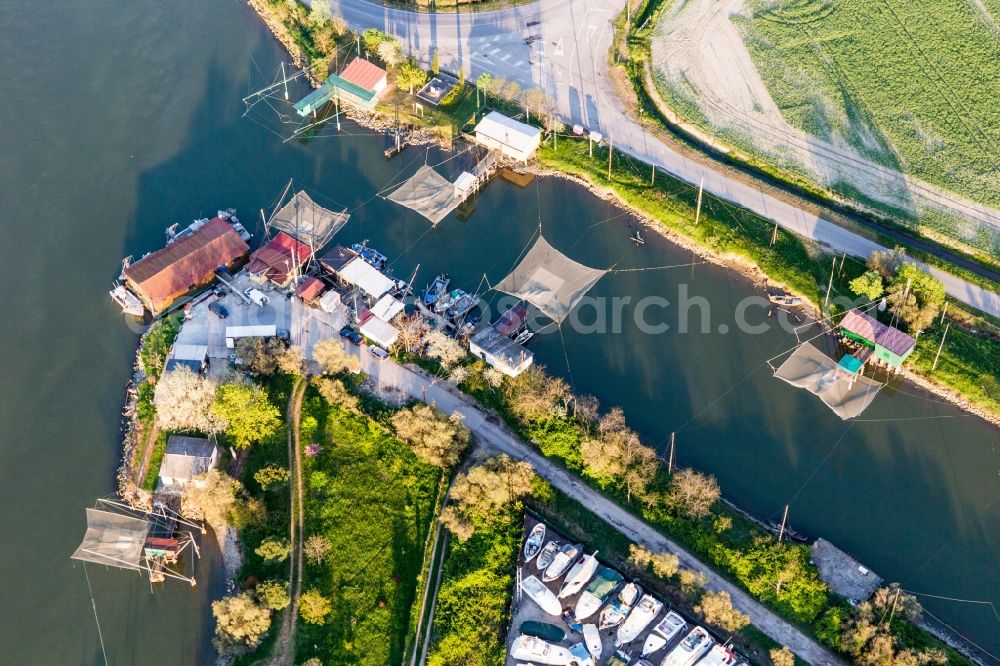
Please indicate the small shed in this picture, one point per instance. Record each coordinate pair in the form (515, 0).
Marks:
(330, 301)
(513, 138)
(310, 289)
(363, 275)
(465, 183)
(185, 459)
(891, 345)
(279, 259)
(381, 333)
(501, 352)
(387, 308)
(336, 258)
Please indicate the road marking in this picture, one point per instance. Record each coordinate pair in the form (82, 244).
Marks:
(506, 57)
(494, 51)
(496, 38)
(559, 47)
(518, 63)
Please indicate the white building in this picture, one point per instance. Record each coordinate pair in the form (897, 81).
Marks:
(511, 137)
(501, 352)
(381, 333)
(185, 459)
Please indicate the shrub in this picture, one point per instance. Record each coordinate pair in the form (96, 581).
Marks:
(273, 550)
(663, 565)
(240, 622)
(316, 548)
(717, 609)
(273, 594)
(314, 607)
(271, 476)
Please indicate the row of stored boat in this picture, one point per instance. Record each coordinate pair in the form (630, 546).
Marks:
(619, 606)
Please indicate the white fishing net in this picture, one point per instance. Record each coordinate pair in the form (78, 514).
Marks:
(113, 539)
(811, 369)
(428, 193)
(307, 221)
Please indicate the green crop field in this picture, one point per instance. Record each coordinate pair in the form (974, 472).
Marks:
(923, 75)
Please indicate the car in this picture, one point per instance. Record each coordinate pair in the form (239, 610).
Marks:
(256, 296)
(218, 309)
(219, 290)
(284, 335)
(378, 352)
(349, 333)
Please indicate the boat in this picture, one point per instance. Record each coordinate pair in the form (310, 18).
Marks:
(534, 542)
(129, 302)
(666, 630)
(437, 288)
(578, 576)
(691, 649)
(598, 592)
(373, 257)
(788, 532)
(620, 658)
(592, 637)
(537, 651)
(616, 612)
(545, 556)
(562, 561)
(720, 655)
(442, 304)
(640, 617)
(541, 595)
(637, 238)
(543, 630)
(524, 336)
(581, 655)
(461, 303)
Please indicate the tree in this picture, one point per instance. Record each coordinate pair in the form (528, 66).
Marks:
(435, 63)
(260, 355)
(663, 565)
(336, 394)
(448, 351)
(390, 52)
(270, 476)
(314, 607)
(886, 262)
(692, 493)
(332, 357)
(372, 39)
(316, 548)
(692, 581)
(248, 512)
(869, 285)
(486, 84)
(413, 328)
(240, 622)
(782, 657)
(485, 491)
(915, 297)
(211, 497)
(899, 604)
(510, 91)
(410, 76)
(434, 437)
(291, 360)
(534, 396)
(273, 550)
(717, 609)
(248, 412)
(183, 402)
(616, 453)
(535, 101)
(273, 594)
(493, 377)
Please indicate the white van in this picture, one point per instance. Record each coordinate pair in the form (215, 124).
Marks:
(378, 352)
(256, 296)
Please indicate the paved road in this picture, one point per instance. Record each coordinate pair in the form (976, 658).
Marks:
(561, 46)
(396, 382)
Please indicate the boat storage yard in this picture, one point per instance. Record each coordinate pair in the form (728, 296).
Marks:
(638, 629)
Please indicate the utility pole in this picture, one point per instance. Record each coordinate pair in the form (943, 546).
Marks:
(943, 311)
(829, 287)
(784, 521)
(652, 178)
(590, 144)
(941, 346)
(774, 234)
(336, 104)
(611, 150)
(893, 612)
(284, 79)
(697, 210)
(670, 460)
(842, 260)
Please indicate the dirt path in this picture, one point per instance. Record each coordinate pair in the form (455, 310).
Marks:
(284, 647)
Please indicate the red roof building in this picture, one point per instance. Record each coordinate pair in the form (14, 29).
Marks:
(310, 289)
(279, 259)
(891, 344)
(365, 74)
(162, 277)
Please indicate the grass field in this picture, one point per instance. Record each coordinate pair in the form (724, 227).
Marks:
(923, 74)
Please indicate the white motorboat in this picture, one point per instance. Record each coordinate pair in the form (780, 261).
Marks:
(720, 655)
(537, 651)
(616, 612)
(545, 557)
(534, 542)
(562, 561)
(666, 630)
(690, 650)
(592, 637)
(437, 289)
(644, 612)
(541, 595)
(578, 576)
(597, 592)
(581, 655)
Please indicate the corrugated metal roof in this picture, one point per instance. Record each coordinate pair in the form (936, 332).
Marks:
(361, 273)
(874, 331)
(279, 257)
(509, 132)
(310, 288)
(185, 263)
(363, 73)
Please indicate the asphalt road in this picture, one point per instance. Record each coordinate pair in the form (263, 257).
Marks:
(561, 46)
(397, 383)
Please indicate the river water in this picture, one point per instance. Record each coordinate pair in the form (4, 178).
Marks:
(121, 118)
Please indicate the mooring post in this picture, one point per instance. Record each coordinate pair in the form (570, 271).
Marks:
(784, 521)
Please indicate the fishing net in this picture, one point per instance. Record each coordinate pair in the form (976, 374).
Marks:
(113, 539)
(307, 221)
(811, 369)
(550, 280)
(428, 193)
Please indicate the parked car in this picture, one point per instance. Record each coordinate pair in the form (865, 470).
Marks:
(350, 334)
(219, 290)
(256, 296)
(378, 352)
(284, 335)
(218, 309)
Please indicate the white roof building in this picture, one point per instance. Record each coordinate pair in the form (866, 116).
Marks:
(185, 459)
(379, 332)
(360, 273)
(511, 137)
(387, 308)
(501, 352)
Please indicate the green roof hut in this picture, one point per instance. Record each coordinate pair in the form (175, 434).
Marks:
(891, 345)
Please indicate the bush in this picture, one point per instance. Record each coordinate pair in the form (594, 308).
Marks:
(717, 609)
(273, 594)
(271, 476)
(273, 550)
(314, 607)
(240, 622)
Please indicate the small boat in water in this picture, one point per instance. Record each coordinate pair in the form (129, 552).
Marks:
(534, 542)
(371, 256)
(644, 612)
(592, 637)
(578, 576)
(129, 302)
(545, 557)
(541, 595)
(461, 303)
(789, 532)
(637, 238)
(563, 560)
(691, 649)
(616, 612)
(437, 289)
(537, 651)
(543, 630)
(666, 630)
(597, 592)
